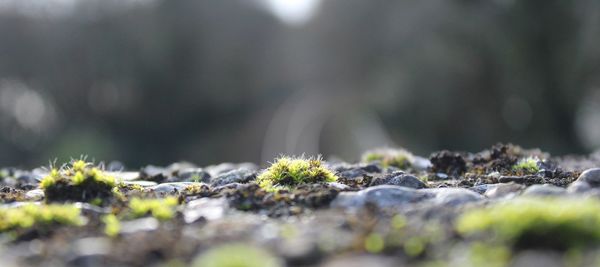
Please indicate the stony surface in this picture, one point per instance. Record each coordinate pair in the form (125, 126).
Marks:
(373, 215)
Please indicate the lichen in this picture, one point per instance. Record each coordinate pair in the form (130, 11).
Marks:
(398, 158)
(548, 222)
(287, 172)
(236, 255)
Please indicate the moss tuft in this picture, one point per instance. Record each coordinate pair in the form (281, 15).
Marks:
(398, 158)
(527, 166)
(546, 222)
(236, 255)
(286, 173)
(78, 181)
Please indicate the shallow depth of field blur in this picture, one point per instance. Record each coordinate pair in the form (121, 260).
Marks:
(157, 81)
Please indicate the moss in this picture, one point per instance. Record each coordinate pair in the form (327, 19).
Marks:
(481, 254)
(527, 166)
(236, 255)
(398, 158)
(162, 209)
(32, 215)
(78, 181)
(286, 173)
(414, 246)
(112, 225)
(374, 243)
(547, 222)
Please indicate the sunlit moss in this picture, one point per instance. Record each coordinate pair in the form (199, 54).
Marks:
(236, 255)
(77, 181)
(527, 166)
(549, 222)
(374, 243)
(481, 254)
(112, 225)
(31, 215)
(414, 246)
(398, 222)
(162, 209)
(398, 158)
(288, 172)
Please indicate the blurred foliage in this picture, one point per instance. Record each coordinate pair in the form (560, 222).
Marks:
(212, 81)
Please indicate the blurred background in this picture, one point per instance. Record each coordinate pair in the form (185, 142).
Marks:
(158, 81)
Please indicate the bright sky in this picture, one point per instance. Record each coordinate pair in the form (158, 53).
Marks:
(293, 11)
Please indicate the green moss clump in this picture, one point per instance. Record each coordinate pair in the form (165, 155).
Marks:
(39, 216)
(112, 225)
(162, 209)
(527, 166)
(286, 173)
(398, 158)
(236, 255)
(79, 181)
(547, 222)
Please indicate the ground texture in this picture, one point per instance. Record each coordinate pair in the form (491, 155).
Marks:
(505, 206)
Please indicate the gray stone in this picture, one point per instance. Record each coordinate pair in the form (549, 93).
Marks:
(139, 225)
(504, 190)
(353, 173)
(207, 208)
(381, 196)
(194, 175)
(234, 176)
(420, 163)
(34, 195)
(590, 176)
(544, 190)
(400, 179)
(363, 260)
(169, 188)
(453, 196)
(537, 258)
(141, 183)
(216, 170)
(579, 187)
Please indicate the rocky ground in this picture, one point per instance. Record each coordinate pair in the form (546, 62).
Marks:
(505, 206)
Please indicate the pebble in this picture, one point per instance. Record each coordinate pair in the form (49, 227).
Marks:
(544, 190)
(207, 208)
(34, 195)
(454, 196)
(579, 187)
(141, 183)
(194, 175)
(170, 188)
(381, 196)
(234, 176)
(504, 190)
(400, 179)
(216, 170)
(138, 225)
(590, 176)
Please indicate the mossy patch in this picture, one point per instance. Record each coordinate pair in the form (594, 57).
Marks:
(526, 166)
(236, 255)
(78, 181)
(547, 222)
(162, 209)
(287, 173)
(398, 158)
(16, 219)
